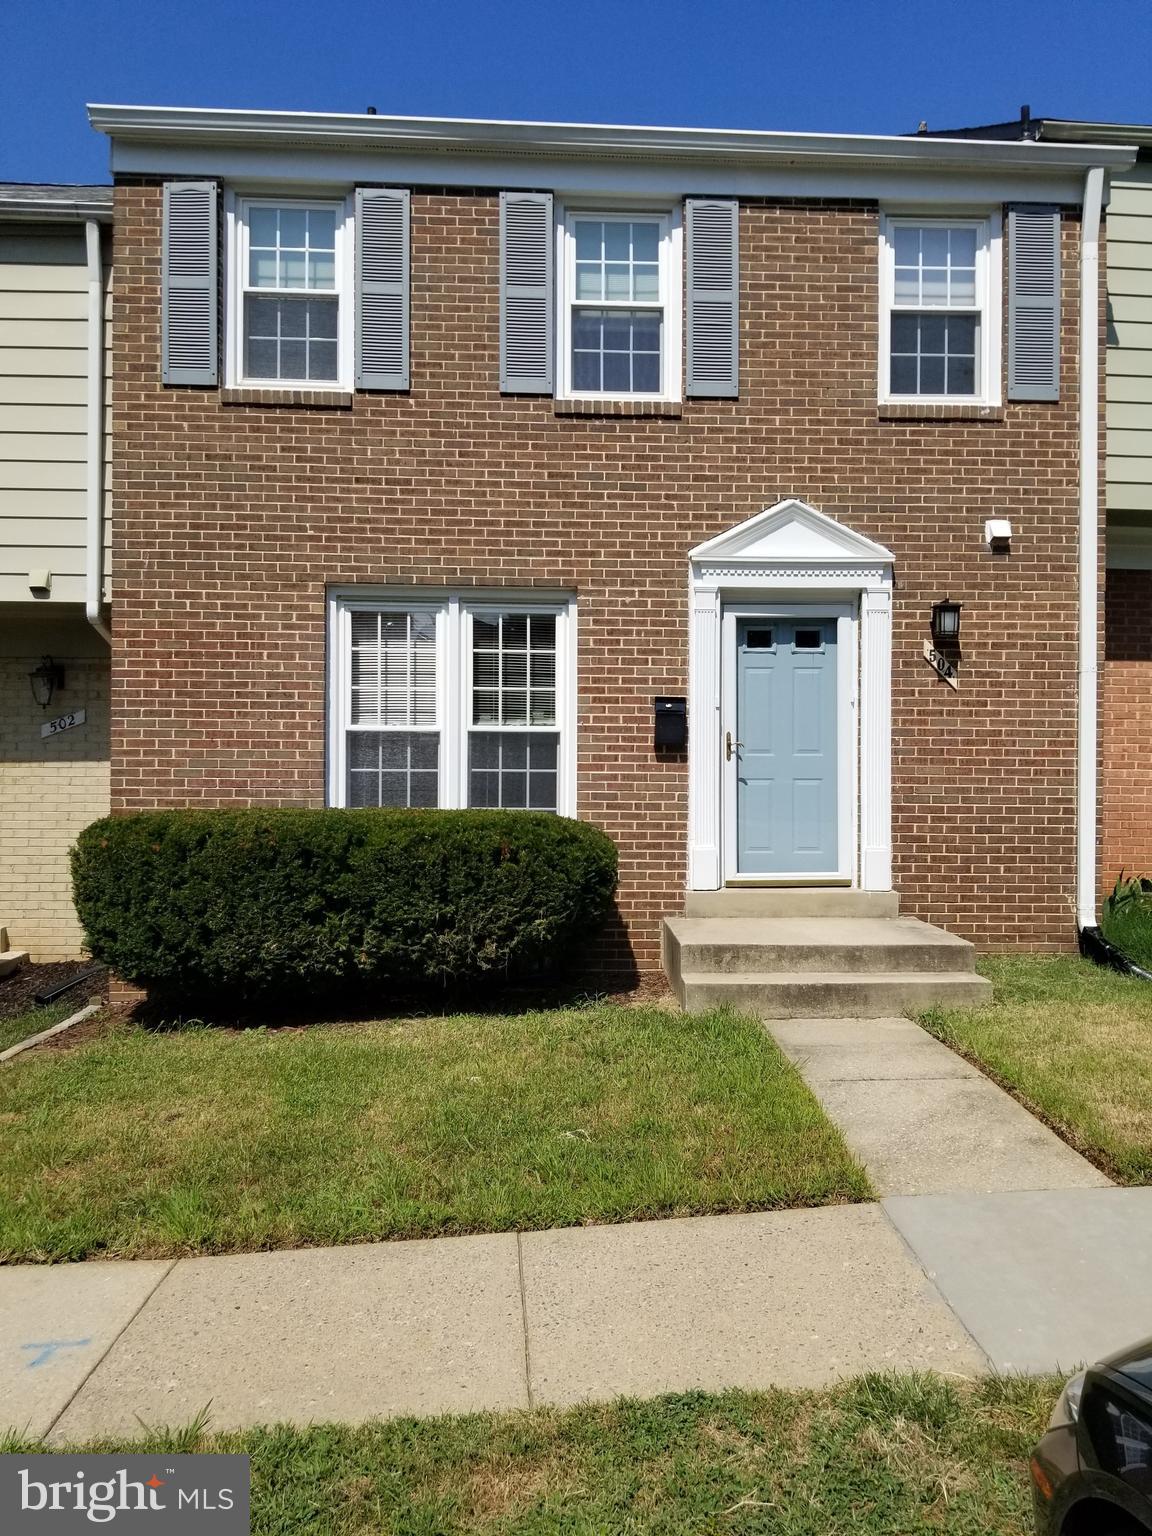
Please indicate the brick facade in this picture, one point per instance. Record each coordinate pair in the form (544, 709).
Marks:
(1126, 727)
(233, 514)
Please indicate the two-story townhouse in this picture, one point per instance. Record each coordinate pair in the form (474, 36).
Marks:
(737, 491)
(54, 635)
(1126, 670)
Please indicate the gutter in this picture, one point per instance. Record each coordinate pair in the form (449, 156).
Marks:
(94, 465)
(1089, 575)
(182, 125)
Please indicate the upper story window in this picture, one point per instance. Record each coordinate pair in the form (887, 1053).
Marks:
(291, 294)
(940, 310)
(619, 321)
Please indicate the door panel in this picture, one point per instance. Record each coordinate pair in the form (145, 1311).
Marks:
(786, 721)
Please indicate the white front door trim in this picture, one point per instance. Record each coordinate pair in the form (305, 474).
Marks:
(845, 616)
(786, 556)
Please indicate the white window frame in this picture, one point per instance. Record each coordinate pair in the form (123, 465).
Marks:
(236, 206)
(454, 610)
(988, 305)
(671, 261)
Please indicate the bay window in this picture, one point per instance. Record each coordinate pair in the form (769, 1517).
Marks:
(940, 320)
(452, 700)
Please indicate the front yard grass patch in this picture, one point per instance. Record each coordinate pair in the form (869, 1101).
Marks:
(879, 1456)
(18, 1026)
(146, 1143)
(1074, 1043)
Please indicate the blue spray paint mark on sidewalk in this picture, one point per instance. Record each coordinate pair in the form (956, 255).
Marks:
(48, 1349)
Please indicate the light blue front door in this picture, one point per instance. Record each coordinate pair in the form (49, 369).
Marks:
(786, 721)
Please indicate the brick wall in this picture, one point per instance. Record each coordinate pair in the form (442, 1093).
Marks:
(232, 517)
(49, 789)
(1126, 727)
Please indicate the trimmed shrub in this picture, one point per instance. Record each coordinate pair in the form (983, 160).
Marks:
(277, 904)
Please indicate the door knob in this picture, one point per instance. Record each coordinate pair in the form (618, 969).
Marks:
(729, 744)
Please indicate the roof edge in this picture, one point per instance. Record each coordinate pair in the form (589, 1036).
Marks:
(151, 124)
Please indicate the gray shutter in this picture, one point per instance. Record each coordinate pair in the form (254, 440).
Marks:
(382, 288)
(712, 233)
(189, 323)
(527, 297)
(1033, 302)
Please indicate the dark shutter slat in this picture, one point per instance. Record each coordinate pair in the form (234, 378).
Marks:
(189, 299)
(1033, 302)
(712, 234)
(527, 296)
(382, 288)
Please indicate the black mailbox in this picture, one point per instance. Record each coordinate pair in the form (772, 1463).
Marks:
(671, 722)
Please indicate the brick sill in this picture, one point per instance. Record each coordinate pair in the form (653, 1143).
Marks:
(297, 399)
(906, 411)
(671, 410)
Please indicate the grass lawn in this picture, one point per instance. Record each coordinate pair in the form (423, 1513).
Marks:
(19, 1026)
(1074, 1043)
(142, 1143)
(880, 1456)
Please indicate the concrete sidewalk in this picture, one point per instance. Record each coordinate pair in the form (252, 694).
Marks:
(793, 1298)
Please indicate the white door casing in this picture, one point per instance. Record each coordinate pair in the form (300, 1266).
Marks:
(785, 559)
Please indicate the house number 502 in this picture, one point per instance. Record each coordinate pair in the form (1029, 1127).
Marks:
(63, 723)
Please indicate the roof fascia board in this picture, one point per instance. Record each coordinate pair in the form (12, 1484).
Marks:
(567, 177)
(1060, 130)
(299, 130)
(53, 211)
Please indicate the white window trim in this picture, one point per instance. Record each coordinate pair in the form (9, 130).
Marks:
(454, 610)
(236, 239)
(989, 301)
(671, 298)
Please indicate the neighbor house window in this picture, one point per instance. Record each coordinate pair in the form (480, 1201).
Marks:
(452, 700)
(620, 306)
(940, 321)
(291, 294)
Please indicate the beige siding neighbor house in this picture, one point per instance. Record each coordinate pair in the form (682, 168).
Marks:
(54, 639)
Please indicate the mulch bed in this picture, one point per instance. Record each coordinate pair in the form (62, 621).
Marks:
(19, 991)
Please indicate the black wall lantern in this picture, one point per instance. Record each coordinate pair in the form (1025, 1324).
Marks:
(45, 680)
(946, 622)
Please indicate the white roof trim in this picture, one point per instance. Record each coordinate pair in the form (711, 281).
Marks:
(169, 125)
(791, 531)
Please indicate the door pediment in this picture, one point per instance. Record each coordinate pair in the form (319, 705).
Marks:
(791, 534)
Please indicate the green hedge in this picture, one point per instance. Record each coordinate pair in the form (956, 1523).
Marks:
(260, 904)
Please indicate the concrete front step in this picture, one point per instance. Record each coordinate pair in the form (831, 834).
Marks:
(791, 901)
(830, 995)
(748, 944)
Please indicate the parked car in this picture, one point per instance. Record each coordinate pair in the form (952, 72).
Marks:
(1092, 1471)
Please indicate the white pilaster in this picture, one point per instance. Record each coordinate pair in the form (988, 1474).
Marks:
(704, 741)
(876, 739)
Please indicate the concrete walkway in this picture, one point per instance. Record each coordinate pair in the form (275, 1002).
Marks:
(995, 1246)
(919, 1117)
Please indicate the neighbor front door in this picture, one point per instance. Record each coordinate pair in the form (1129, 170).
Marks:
(785, 750)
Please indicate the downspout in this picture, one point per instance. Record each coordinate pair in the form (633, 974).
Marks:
(94, 480)
(1086, 742)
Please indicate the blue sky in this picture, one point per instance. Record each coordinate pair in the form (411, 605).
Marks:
(858, 66)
